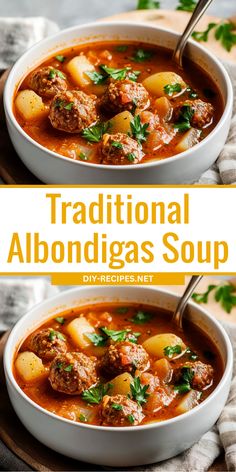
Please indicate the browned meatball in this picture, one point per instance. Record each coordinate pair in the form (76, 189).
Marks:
(124, 356)
(72, 111)
(124, 95)
(201, 375)
(48, 343)
(72, 373)
(47, 82)
(202, 112)
(120, 411)
(120, 149)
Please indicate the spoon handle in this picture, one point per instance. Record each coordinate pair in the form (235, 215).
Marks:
(200, 9)
(178, 314)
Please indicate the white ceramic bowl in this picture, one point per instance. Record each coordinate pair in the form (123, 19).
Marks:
(120, 446)
(53, 168)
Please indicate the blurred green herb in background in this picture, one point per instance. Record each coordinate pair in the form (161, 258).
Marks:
(224, 294)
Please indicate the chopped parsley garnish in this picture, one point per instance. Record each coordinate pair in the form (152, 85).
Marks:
(94, 133)
(95, 394)
(131, 418)
(133, 337)
(96, 339)
(191, 355)
(115, 406)
(56, 334)
(83, 156)
(60, 58)
(56, 73)
(131, 157)
(60, 319)
(170, 89)
(117, 145)
(69, 106)
(147, 4)
(191, 93)
(116, 74)
(116, 335)
(224, 294)
(96, 77)
(121, 48)
(187, 5)
(141, 55)
(83, 418)
(141, 317)
(138, 391)
(139, 130)
(63, 104)
(122, 310)
(133, 75)
(169, 351)
(68, 368)
(184, 384)
(224, 32)
(185, 116)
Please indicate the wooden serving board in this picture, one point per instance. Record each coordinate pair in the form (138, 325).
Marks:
(13, 171)
(39, 457)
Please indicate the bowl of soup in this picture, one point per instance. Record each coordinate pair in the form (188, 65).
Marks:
(104, 103)
(105, 366)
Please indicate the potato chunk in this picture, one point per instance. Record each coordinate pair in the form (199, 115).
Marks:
(155, 83)
(188, 140)
(121, 384)
(77, 67)
(163, 370)
(156, 344)
(163, 108)
(121, 123)
(77, 329)
(189, 401)
(29, 366)
(29, 105)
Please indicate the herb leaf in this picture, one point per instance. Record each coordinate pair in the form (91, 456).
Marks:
(138, 391)
(122, 310)
(55, 72)
(117, 145)
(191, 355)
(116, 74)
(131, 157)
(185, 116)
(191, 93)
(147, 4)
(96, 339)
(170, 89)
(116, 335)
(186, 5)
(96, 77)
(60, 319)
(141, 55)
(185, 380)
(68, 368)
(95, 394)
(116, 406)
(141, 317)
(169, 351)
(139, 130)
(203, 35)
(131, 419)
(94, 134)
(83, 156)
(224, 34)
(60, 58)
(121, 48)
(56, 334)
(203, 297)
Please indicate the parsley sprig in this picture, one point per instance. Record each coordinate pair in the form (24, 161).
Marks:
(94, 133)
(224, 32)
(184, 384)
(170, 351)
(147, 4)
(186, 5)
(170, 89)
(115, 335)
(56, 73)
(63, 104)
(141, 55)
(138, 391)
(106, 72)
(60, 319)
(95, 394)
(185, 116)
(139, 130)
(224, 294)
(141, 317)
(56, 334)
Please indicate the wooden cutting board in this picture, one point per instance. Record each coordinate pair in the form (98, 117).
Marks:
(13, 171)
(39, 457)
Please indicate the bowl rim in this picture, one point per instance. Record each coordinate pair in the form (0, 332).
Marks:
(7, 361)
(7, 97)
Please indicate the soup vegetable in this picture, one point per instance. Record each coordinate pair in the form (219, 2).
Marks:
(118, 104)
(115, 365)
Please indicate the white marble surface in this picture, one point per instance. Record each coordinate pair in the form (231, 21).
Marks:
(71, 12)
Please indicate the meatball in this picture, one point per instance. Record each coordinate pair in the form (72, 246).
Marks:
(72, 373)
(124, 95)
(119, 410)
(48, 343)
(124, 356)
(120, 149)
(202, 112)
(47, 82)
(202, 374)
(73, 111)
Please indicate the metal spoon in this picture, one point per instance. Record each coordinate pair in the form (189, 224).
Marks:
(178, 314)
(200, 9)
